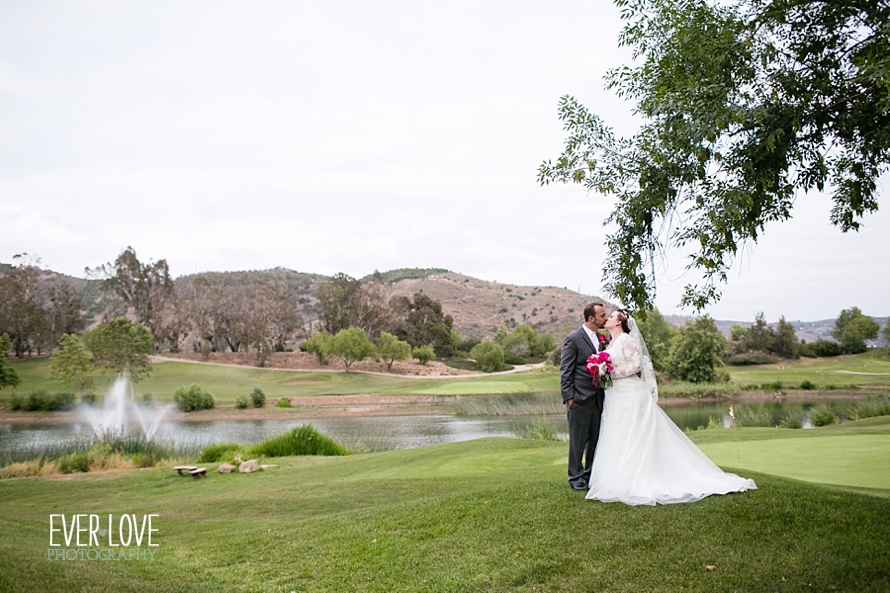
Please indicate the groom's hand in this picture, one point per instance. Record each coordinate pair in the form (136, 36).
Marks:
(569, 402)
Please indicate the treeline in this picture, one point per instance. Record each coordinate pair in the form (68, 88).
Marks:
(697, 351)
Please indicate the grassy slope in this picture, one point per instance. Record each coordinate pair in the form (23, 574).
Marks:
(488, 515)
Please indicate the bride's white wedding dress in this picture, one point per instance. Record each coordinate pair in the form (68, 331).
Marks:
(642, 457)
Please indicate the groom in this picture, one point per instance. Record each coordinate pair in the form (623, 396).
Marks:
(584, 402)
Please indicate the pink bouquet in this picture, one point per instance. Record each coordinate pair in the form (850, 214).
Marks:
(600, 367)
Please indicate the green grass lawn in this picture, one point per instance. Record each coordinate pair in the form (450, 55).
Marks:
(226, 383)
(486, 515)
(821, 371)
(852, 454)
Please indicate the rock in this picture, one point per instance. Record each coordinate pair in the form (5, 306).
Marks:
(226, 468)
(249, 466)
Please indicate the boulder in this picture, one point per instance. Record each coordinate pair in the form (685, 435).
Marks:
(226, 468)
(249, 466)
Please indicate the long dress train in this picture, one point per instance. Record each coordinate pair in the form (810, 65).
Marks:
(642, 457)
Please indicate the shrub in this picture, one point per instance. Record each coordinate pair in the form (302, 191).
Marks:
(17, 402)
(540, 430)
(792, 419)
(41, 400)
(752, 387)
(258, 397)
(773, 386)
(148, 399)
(88, 398)
(75, 462)
(749, 358)
(282, 403)
(758, 415)
(822, 415)
(193, 398)
(807, 385)
(303, 440)
(824, 348)
(488, 355)
(214, 453)
(241, 402)
(424, 354)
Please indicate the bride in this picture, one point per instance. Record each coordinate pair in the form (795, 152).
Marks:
(642, 457)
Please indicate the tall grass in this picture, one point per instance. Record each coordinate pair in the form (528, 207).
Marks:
(107, 450)
(875, 405)
(697, 390)
(511, 404)
(539, 430)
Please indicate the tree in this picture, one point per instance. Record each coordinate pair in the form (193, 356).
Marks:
(8, 376)
(852, 328)
(759, 337)
(737, 332)
(347, 302)
(352, 345)
(121, 346)
(423, 322)
(72, 364)
(22, 314)
(743, 105)
(525, 342)
(488, 356)
(424, 354)
(320, 344)
(695, 353)
(785, 342)
(886, 333)
(392, 349)
(658, 335)
(146, 288)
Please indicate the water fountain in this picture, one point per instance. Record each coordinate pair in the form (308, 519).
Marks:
(119, 413)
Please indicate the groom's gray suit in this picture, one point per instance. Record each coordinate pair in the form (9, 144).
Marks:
(587, 406)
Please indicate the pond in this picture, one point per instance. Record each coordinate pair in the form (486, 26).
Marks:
(373, 433)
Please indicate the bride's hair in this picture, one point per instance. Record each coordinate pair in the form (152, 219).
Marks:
(623, 317)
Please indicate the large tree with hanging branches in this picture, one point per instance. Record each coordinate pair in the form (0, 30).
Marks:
(744, 104)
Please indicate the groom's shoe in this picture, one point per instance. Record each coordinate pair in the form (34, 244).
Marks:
(579, 486)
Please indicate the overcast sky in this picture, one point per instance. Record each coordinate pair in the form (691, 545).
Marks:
(346, 137)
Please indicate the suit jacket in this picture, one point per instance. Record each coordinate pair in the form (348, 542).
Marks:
(575, 381)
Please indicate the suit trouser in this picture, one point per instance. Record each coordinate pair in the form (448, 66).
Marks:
(584, 431)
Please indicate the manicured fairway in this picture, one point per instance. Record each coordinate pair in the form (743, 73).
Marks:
(486, 515)
(855, 460)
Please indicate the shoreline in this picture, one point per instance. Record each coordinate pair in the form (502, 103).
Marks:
(358, 405)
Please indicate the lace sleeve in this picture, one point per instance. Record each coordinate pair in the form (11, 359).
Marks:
(632, 356)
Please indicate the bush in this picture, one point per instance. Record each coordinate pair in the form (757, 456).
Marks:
(88, 398)
(822, 415)
(773, 386)
(750, 358)
(824, 348)
(282, 403)
(75, 462)
(258, 397)
(792, 419)
(214, 453)
(193, 398)
(807, 385)
(303, 440)
(424, 354)
(241, 402)
(41, 400)
(754, 416)
(148, 399)
(488, 355)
